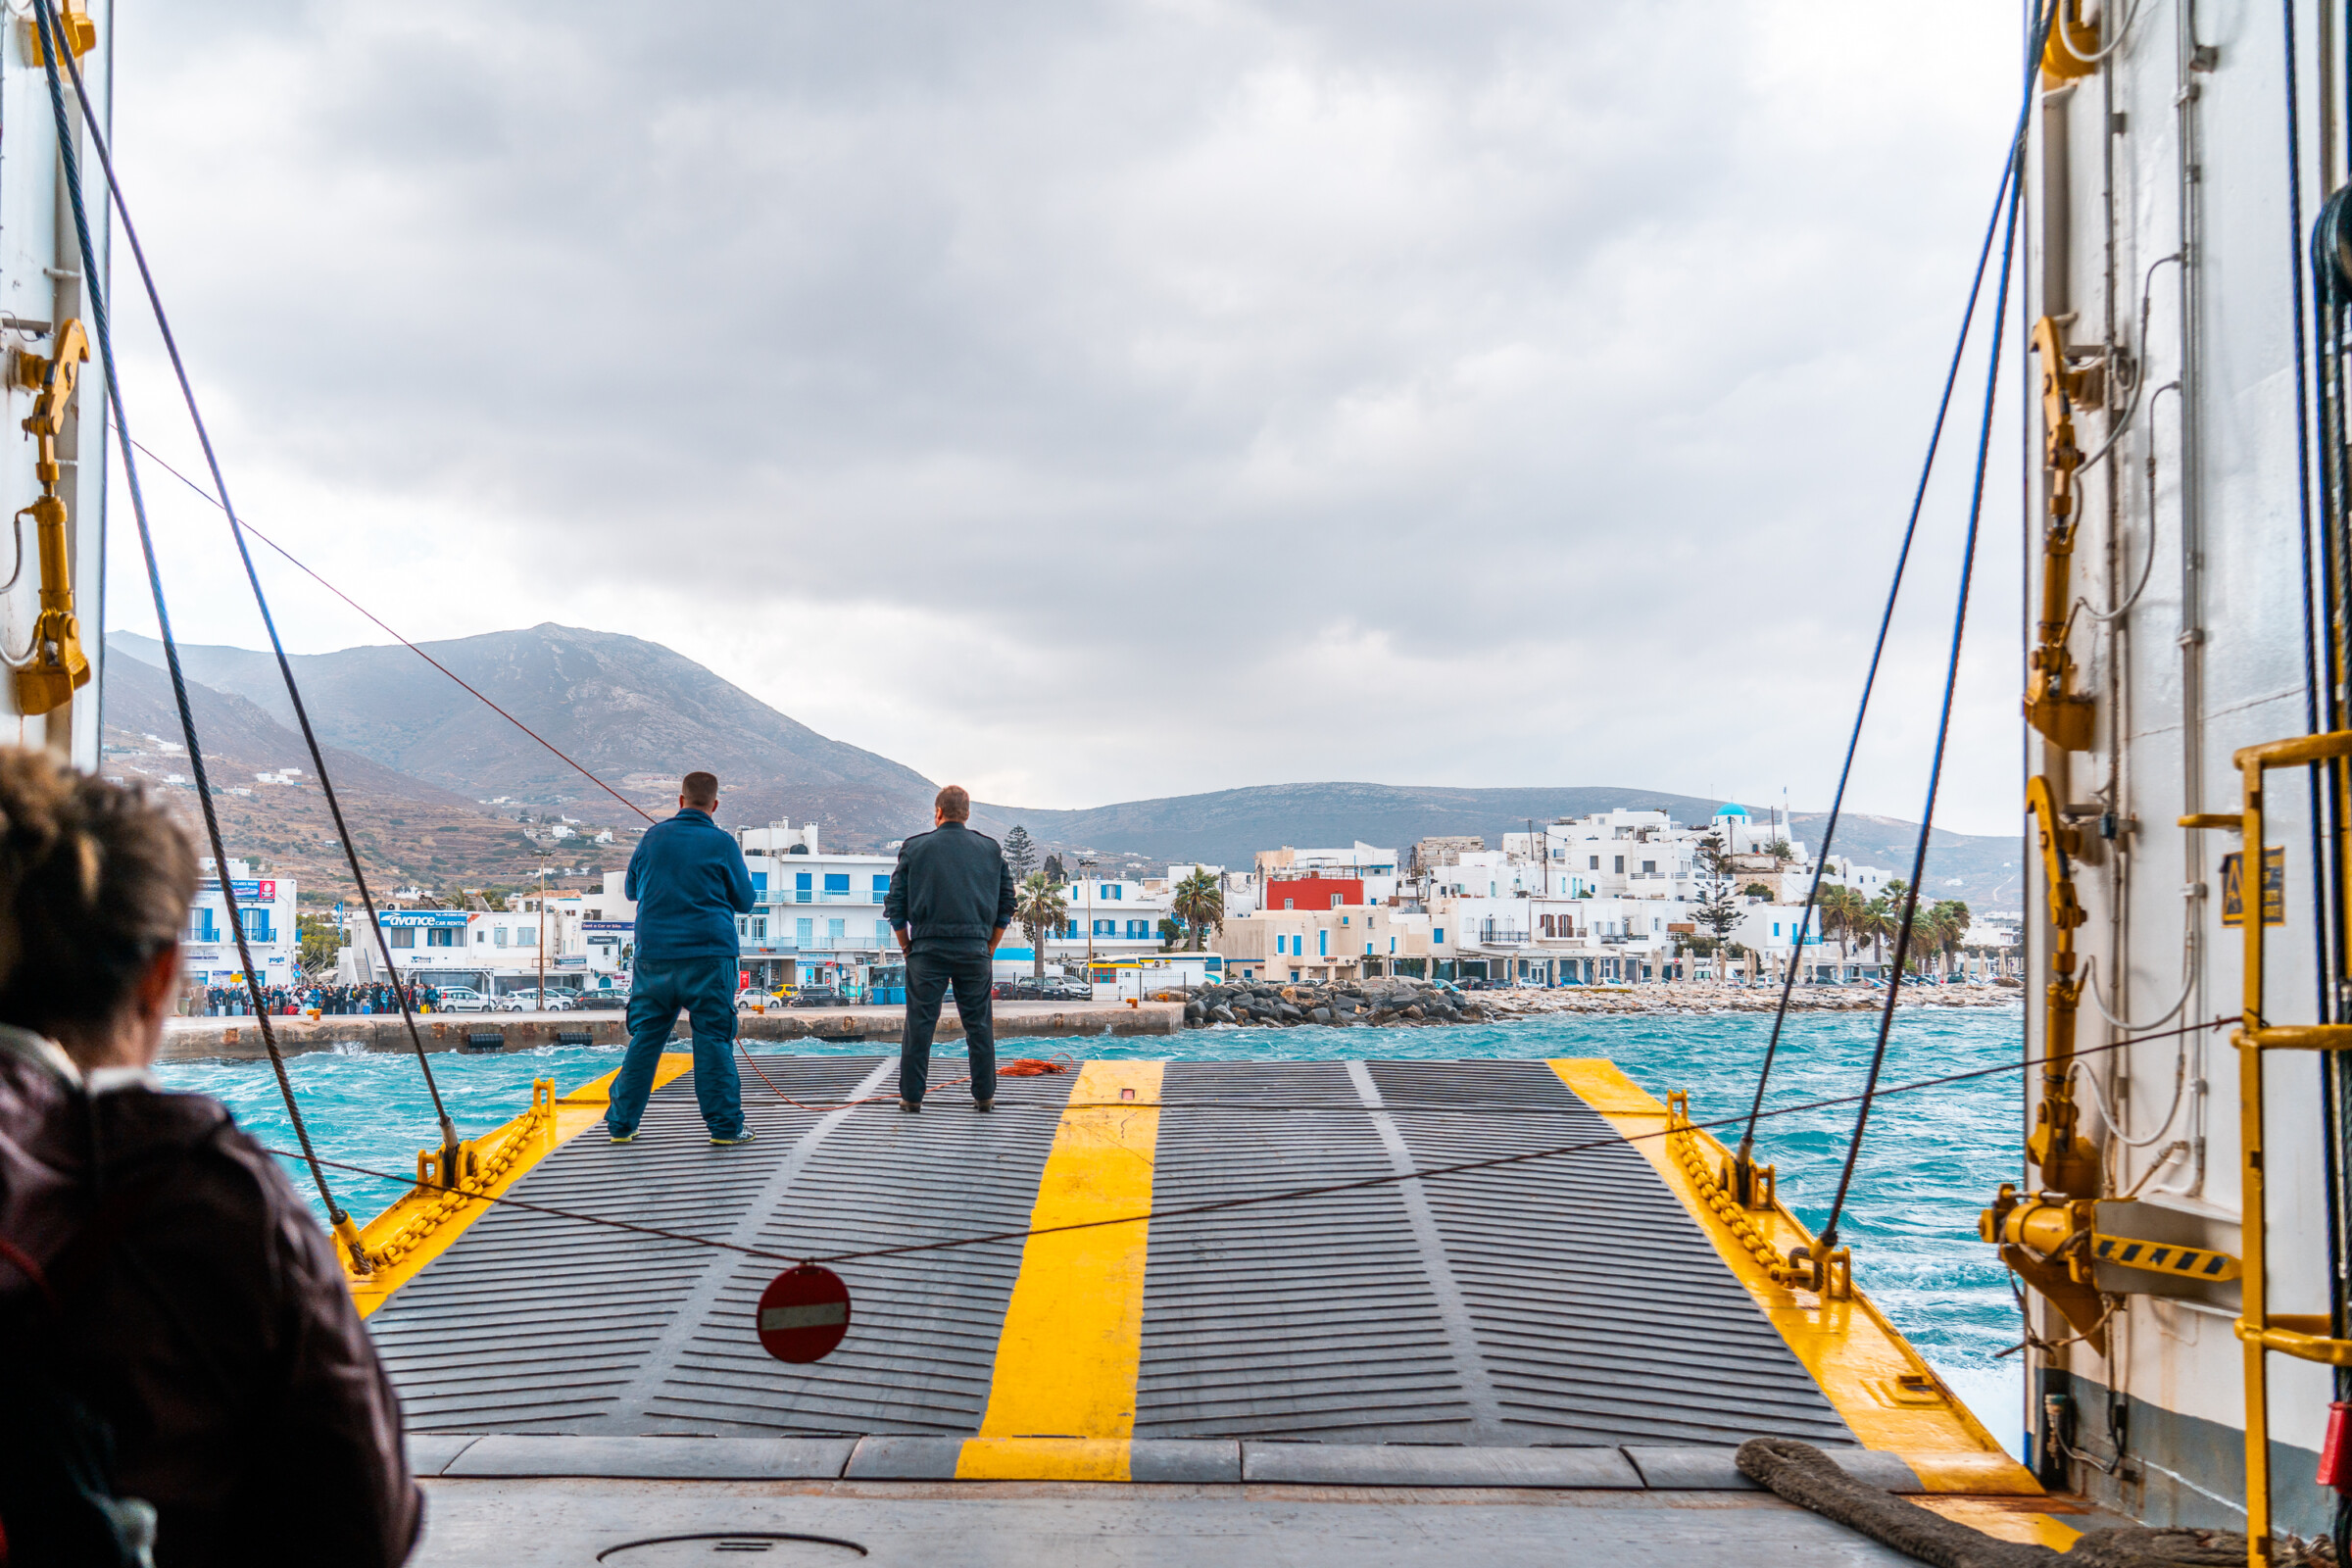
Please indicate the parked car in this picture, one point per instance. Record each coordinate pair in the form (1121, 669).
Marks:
(609, 999)
(460, 999)
(814, 997)
(754, 999)
(531, 1002)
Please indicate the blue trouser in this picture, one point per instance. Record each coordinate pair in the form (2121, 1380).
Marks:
(929, 973)
(705, 989)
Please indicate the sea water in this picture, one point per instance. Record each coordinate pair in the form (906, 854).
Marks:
(1932, 1158)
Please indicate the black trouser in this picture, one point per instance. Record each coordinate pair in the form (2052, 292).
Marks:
(929, 973)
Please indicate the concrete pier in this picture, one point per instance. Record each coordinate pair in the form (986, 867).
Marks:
(241, 1039)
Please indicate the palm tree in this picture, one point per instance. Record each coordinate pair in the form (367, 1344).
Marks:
(1199, 903)
(1873, 923)
(1946, 925)
(1040, 910)
(1834, 905)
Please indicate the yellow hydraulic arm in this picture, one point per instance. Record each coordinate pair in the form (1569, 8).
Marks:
(2067, 1161)
(2068, 1164)
(58, 666)
(2052, 705)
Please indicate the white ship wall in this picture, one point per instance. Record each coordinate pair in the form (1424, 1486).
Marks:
(2162, 158)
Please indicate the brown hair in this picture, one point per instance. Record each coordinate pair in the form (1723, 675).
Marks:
(954, 803)
(699, 789)
(95, 880)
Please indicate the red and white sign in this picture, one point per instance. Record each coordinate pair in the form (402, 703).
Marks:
(803, 1314)
(269, 888)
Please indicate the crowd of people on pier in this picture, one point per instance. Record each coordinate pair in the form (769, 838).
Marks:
(231, 1002)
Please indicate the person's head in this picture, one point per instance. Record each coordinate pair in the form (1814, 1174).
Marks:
(954, 805)
(699, 792)
(95, 883)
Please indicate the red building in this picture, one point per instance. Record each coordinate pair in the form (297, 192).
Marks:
(1314, 891)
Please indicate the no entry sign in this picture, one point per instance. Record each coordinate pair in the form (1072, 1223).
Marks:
(803, 1313)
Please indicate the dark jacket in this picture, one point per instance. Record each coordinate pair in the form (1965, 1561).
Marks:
(204, 1317)
(690, 883)
(951, 886)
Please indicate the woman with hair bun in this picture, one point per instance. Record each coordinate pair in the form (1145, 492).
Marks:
(184, 1379)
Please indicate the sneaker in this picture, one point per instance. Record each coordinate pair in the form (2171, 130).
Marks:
(984, 1105)
(910, 1106)
(744, 1137)
(628, 1136)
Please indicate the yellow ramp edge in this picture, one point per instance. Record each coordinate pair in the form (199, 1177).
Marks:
(423, 1223)
(1871, 1376)
(1061, 1399)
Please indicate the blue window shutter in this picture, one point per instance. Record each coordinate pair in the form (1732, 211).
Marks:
(1323, 942)
(837, 881)
(1437, 935)
(759, 882)
(881, 886)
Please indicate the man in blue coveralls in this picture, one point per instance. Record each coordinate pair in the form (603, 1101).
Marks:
(690, 883)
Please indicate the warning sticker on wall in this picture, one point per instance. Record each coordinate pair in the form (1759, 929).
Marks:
(2273, 887)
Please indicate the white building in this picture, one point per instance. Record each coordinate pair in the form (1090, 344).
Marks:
(265, 906)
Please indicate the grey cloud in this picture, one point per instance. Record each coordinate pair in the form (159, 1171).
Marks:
(1520, 338)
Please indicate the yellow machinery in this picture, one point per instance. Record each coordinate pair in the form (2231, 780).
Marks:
(2306, 1338)
(2052, 705)
(58, 666)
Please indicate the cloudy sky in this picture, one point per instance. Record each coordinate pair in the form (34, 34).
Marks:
(1095, 401)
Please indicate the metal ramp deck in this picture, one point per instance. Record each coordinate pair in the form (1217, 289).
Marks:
(1576, 1302)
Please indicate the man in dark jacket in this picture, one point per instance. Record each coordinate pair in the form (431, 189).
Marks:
(690, 883)
(950, 901)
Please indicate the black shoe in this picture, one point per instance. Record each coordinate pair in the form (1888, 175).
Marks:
(984, 1105)
(910, 1106)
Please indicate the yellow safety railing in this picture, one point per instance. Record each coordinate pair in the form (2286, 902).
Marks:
(2302, 1337)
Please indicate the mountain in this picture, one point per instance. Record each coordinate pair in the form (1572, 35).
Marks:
(632, 713)
(239, 739)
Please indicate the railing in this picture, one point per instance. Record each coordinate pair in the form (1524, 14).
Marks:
(1504, 936)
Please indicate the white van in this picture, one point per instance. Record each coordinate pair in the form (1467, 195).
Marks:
(459, 999)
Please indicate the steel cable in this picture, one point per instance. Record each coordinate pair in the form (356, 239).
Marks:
(285, 668)
(1161, 1215)
(1943, 724)
(298, 565)
(2003, 199)
(52, 50)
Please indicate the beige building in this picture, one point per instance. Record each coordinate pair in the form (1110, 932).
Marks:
(1353, 941)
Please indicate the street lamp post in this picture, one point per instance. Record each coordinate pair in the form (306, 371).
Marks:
(1086, 869)
(542, 997)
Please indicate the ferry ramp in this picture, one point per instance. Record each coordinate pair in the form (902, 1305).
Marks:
(1572, 1321)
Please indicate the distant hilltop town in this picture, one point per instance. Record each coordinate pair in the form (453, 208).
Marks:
(1613, 898)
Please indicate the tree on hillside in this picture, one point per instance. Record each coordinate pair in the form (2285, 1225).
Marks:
(1781, 851)
(1053, 870)
(1199, 903)
(1020, 853)
(1040, 910)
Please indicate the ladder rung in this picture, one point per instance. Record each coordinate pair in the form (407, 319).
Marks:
(2227, 822)
(2299, 1037)
(2302, 1346)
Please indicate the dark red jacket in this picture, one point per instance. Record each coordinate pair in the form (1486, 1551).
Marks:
(205, 1317)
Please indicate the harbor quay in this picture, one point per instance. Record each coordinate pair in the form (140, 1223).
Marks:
(240, 1039)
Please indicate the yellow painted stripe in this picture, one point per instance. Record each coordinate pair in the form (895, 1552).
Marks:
(575, 1114)
(1061, 1403)
(1849, 1348)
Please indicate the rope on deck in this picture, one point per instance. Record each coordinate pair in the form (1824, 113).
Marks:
(1811, 1479)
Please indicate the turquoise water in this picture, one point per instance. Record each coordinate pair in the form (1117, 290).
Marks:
(1933, 1158)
